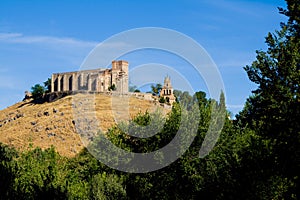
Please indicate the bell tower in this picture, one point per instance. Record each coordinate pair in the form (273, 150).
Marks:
(167, 91)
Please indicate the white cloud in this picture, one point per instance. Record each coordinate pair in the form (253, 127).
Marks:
(71, 49)
(6, 36)
(68, 49)
(19, 38)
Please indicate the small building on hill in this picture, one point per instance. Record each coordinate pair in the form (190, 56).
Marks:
(167, 91)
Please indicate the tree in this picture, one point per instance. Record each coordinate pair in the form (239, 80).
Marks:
(132, 88)
(273, 111)
(7, 175)
(37, 175)
(177, 94)
(112, 87)
(162, 100)
(156, 89)
(184, 98)
(47, 85)
(105, 186)
(37, 91)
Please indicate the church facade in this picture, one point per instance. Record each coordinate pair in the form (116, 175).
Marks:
(97, 80)
(167, 91)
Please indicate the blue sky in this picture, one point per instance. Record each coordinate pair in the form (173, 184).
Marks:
(38, 38)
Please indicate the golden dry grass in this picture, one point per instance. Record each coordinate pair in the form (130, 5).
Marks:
(42, 125)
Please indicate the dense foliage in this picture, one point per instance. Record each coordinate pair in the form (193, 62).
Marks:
(37, 91)
(156, 89)
(273, 112)
(256, 156)
(47, 85)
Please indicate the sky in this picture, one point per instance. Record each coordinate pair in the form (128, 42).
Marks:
(38, 38)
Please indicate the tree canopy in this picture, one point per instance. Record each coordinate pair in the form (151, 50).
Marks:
(255, 157)
(273, 111)
(37, 91)
(156, 89)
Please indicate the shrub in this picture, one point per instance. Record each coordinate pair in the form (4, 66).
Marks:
(162, 100)
(37, 91)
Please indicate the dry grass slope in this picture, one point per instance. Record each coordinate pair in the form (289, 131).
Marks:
(42, 125)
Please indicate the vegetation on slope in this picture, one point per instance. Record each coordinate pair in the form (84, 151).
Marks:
(256, 156)
(52, 124)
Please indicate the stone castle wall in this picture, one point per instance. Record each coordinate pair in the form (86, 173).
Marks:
(97, 80)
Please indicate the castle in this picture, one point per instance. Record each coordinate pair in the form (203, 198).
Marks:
(97, 80)
(103, 80)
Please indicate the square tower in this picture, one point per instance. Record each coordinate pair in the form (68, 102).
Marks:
(119, 75)
(120, 65)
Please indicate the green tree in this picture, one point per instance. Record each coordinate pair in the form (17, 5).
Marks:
(108, 187)
(133, 88)
(162, 100)
(177, 94)
(184, 98)
(273, 110)
(37, 175)
(112, 87)
(7, 173)
(37, 91)
(47, 85)
(156, 89)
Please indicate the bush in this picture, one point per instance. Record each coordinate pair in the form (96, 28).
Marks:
(47, 85)
(37, 91)
(107, 187)
(112, 87)
(162, 100)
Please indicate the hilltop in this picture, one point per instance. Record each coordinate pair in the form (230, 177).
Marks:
(27, 124)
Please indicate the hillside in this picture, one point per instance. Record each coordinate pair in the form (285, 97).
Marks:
(27, 124)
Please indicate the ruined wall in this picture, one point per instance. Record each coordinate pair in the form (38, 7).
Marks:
(98, 80)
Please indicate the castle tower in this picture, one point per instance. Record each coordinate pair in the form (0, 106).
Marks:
(167, 91)
(119, 76)
(120, 65)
